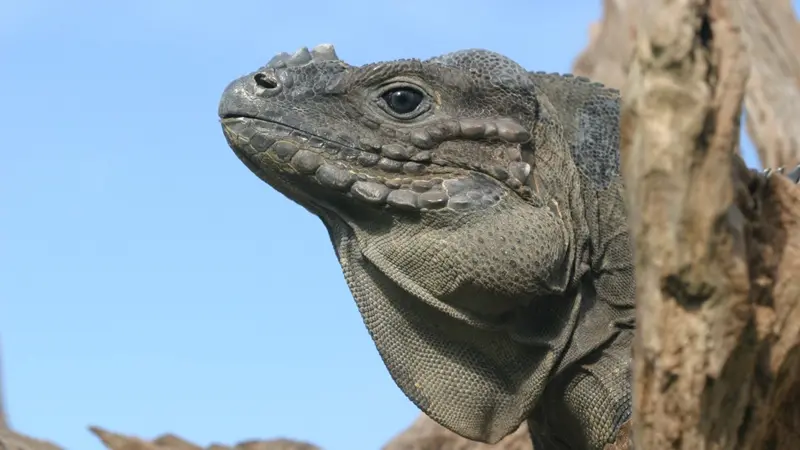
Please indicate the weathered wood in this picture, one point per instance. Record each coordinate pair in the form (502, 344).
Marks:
(716, 352)
(771, 34)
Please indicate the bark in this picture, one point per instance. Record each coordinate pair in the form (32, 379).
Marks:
(608, 56)
(717, 344)
(771, 34)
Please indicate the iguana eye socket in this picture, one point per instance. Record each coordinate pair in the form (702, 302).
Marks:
(403, 100)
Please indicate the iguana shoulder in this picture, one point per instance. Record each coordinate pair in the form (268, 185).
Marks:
(589, 115)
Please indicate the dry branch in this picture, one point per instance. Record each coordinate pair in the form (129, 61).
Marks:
(711, 288)
(771, 34)
(608, 56)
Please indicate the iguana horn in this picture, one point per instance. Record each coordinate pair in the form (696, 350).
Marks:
(322, 52)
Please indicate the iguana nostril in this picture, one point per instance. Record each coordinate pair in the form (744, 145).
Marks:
(265, 81)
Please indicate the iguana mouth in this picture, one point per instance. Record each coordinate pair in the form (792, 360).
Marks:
(382, 176)
(294, 150)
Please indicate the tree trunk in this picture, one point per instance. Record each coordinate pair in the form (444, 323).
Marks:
(717, 351)
(771, 34)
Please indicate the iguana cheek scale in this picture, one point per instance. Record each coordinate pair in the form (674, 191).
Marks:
(476, 210)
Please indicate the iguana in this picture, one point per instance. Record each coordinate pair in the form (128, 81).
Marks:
(477, 212)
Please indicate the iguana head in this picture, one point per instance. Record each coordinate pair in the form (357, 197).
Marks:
(430, 177)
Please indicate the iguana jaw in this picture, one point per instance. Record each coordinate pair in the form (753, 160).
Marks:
(336, 173)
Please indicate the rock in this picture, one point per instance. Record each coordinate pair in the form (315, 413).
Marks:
(116, 441)
(425, 434)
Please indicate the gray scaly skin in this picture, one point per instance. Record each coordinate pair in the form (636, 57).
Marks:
(477, 212)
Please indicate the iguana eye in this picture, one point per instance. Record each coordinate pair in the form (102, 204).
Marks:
(403, 100)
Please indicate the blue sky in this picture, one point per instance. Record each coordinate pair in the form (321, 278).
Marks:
(149, 283)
